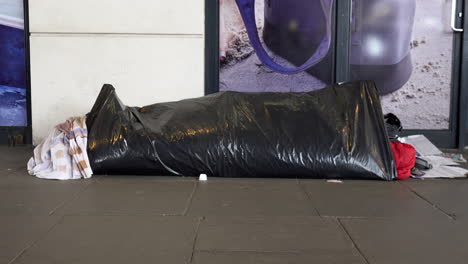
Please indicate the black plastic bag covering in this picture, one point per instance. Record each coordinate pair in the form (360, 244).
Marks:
(336, 132)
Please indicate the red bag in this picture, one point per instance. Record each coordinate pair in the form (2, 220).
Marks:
(405, 159)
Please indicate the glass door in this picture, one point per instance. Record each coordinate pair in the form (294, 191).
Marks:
(410, 48)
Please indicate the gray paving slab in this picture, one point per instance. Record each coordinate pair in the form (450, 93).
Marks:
(253, 197)
(138, 178)
(390, 241)
(115, 239)
(21, 180)
(20, 232)
(367, 199)
(14, 158)
(21, 194)
(274, 258)
(448, 195)
(129, 219)
(132, 196)
(314, 235)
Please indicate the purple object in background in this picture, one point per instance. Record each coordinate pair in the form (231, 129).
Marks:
(300, 31)
(296, 19)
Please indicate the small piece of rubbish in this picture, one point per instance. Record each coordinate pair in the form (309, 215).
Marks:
(203, 177)
(455, 157)
(334, 181)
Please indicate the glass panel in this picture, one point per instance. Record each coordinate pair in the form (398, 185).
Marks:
(405, 46)
(13, 107)
(292, 32)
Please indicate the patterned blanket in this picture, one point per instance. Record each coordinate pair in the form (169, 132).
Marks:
(62, 155)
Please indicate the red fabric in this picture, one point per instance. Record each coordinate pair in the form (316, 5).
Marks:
(405, 159)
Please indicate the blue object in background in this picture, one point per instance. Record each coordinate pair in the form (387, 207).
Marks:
(12, 57)
(13, 85)
(13, 107)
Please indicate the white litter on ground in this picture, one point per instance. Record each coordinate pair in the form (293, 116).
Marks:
(334, 181)
(203, 177)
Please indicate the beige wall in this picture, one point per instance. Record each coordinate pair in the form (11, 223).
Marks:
(150, 50)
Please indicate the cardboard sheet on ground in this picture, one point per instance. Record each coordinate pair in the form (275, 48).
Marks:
(446, 172)
(437, 161)
(443, 167)
(422, 145)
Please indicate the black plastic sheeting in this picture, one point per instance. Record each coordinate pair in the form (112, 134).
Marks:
(334, 133)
